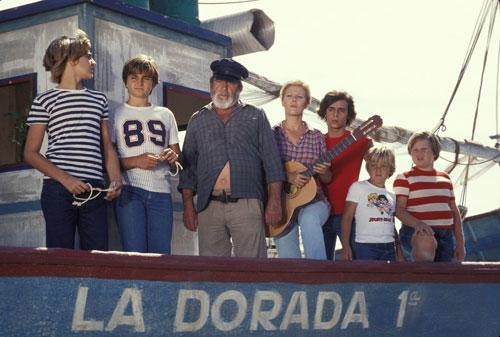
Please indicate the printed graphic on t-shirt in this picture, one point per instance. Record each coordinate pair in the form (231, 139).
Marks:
(380, 202)
(134, 130)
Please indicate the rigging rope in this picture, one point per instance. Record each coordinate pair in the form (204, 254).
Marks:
(497, 143)
(457, 152)
(463, 198)
(471, 164)
(485, 58)
(470, 49)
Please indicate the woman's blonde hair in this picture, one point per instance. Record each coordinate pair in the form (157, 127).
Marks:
(297, 83)
(62, 50)
(383, 155)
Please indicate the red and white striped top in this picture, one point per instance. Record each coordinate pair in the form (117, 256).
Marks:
(429, 194)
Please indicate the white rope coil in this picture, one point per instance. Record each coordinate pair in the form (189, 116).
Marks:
(97, 190)
(178, 168)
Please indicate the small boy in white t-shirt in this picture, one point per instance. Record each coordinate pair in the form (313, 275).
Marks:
(372, 207)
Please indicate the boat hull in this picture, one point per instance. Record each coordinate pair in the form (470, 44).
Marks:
(61, 292)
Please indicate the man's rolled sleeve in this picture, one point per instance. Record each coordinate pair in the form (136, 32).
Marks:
(187, 178)
(271, 160)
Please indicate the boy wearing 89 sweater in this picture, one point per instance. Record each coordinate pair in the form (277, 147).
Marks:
(147, 142)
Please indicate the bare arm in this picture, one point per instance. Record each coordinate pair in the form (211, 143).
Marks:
(32, 156)
(172, 156)
(145, 161)
(273, 211)
(459, 252)
(324, 172)
(397, 244)
(346, 224)
(190, 217)
(408, 219)
(111, 163)
(149, 161)
(297, 178)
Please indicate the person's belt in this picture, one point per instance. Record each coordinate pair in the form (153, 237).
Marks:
(224, 198)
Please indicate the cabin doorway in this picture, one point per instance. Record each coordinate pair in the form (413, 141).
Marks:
(16, 95)
(183, 102)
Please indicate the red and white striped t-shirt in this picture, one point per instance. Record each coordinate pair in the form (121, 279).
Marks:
(429, 194)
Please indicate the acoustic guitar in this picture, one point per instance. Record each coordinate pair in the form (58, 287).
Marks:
(297, 197)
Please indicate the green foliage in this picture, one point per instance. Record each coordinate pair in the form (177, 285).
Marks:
(21, 131)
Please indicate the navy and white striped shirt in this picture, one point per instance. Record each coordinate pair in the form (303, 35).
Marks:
(73, 119)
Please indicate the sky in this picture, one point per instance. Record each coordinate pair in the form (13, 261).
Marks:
(399, 59)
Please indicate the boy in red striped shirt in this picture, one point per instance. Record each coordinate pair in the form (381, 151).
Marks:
(425, 204)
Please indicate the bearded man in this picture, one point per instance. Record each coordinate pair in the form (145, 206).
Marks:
(230, 161)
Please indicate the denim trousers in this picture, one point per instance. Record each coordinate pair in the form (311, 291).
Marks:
(375, 251)
(144, 220)
(62, 218)
(445, 243)
(333, 229)
(310, 220)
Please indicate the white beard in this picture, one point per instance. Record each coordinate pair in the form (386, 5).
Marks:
(224, 103)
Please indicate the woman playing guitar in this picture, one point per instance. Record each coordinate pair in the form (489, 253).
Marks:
(298, 143)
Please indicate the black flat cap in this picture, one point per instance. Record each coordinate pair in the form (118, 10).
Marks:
(228, 70)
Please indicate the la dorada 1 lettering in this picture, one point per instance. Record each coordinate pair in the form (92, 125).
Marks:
(196, 310)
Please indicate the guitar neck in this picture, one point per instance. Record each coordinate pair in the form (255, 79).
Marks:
(329, 155)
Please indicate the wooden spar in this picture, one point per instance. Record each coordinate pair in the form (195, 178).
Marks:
(390, 134)
(394, 134)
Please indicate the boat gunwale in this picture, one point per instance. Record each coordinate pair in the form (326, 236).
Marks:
(55, 262)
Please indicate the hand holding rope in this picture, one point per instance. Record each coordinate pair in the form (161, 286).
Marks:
(94, 193)
(168, 152)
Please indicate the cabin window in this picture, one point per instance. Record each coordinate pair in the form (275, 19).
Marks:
(16, 96)
(183, 102)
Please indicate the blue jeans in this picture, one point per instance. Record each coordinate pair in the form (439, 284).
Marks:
(445, 243)
(62, 218)
(331, 229)
(310, 219)
(375, 251)
(145, 220)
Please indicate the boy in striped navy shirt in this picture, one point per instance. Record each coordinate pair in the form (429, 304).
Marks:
(75, 119)
(146, 138)
(425, 204)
